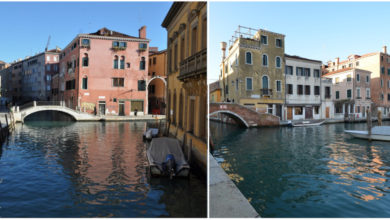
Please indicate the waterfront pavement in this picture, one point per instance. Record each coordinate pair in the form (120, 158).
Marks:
(226, 200)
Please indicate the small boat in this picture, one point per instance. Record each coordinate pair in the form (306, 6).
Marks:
(166, 158)
(307, 123)
(150, 133)
(378, 133)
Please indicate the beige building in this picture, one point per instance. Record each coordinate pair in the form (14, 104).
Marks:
(186, 23)
(351, 92)
(378, 63)
(252, 71)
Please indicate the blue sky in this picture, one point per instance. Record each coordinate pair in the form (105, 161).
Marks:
(26, 26)
(316, 30)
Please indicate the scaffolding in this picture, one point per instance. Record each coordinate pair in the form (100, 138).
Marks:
(242, 32)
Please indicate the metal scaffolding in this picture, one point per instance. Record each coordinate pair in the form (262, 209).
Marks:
(243, 32)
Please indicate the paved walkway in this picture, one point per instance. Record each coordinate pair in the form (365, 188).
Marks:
(226, 200)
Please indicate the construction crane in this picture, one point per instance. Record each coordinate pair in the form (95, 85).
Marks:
(48, 42)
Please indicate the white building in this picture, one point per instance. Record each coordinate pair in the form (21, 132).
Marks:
(303, 88)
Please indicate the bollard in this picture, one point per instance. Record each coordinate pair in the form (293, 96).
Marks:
(35, 103)
(17, 109)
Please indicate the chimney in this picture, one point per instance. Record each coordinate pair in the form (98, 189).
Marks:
(223, 47)
(384, 49)
(336, 61)
(142, 32)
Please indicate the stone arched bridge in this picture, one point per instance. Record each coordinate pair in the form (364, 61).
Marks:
(20, 113)
(244, 115)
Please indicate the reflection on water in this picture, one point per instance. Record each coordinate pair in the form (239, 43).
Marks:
(65, 169)
(306, 172)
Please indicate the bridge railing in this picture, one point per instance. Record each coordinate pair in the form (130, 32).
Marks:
(25, 106)
(44, 103)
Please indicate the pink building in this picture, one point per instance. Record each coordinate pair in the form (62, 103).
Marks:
(105, 73)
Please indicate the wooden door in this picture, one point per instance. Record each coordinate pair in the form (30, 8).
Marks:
(327, 112)
(289, 113)
(308, 113)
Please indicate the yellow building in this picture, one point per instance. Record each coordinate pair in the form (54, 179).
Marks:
(252, 72)
(215, 92)
(186, 23)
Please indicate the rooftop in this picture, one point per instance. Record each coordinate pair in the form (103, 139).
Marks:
(301, 58)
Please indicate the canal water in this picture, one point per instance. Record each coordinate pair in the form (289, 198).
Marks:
(308, 171)
(69, 169)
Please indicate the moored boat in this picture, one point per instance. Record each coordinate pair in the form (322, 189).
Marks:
(150, 133)
(378, 133)
(166, 158)
(307, 123)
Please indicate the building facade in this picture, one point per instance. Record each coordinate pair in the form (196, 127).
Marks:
(186, 24)
(215, 92)
(303, 88)
(158, 80)
(378, 63)
(105, 73)
(252, 72)
(351, 92)
(37, 75)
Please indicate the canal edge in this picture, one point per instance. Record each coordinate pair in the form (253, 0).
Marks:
(225, 199)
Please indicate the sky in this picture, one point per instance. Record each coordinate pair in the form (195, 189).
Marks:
(26, 26)
(314, 30)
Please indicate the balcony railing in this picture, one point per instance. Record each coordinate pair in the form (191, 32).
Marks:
(193, 65)
(266, 92)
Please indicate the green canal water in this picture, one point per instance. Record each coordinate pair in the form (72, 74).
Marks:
(308, 171)
(69, 169)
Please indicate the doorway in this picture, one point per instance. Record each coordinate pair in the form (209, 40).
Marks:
(289, 113)
(327, 112)
(308, 112)
(102, 107)
(121, 108)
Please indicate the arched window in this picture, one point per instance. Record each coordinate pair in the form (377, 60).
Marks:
(278, 62)
(122, 66)
(248, 58)
(116, 62)
(265, 60)
(265, 82)
(142, 64)
(85, 60)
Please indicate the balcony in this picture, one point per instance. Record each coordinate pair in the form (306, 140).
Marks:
(193, 65)
(266, 92)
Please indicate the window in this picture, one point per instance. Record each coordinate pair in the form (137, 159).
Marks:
(264, 39)
(358, 77)
(338, 109)
(349, 93)
(388, 96)
(70, 84)
(122, 64)
(48, 67)
(358, 109)
(289, 89)
(154, 60)
(298, 111)
(381, 83)
(118, 82)
(85, 42)
(316, 110)
(115, 44)
(278, 62)
(300, 89)
(270, 108)
(137, 106)
(85, 83)
(142, 63)
(278, 86)
(142, 46)
(299, 71)
(368, 79)
(265, 82)
(278, 42)
(316, 90)
(307, 90)
(265, 60)
(357, 63)
(337, 94)
(248, 84)
(349, 78)
(119, 45)
(48, 58)
(382, 96)
(248, 58)
(368, 95)
(358, 93)
(350, 65)
(116, 62)
(337, 80)
(122, 44)
(227, 89)
(85, 60)
(128, 65)
(382, 70)
(236, 84)
(316, 73)
(194, 40)
(289, 70)
(388, 84)
(306, 72)
(388, 72)
(141, 85)
(55, 58)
